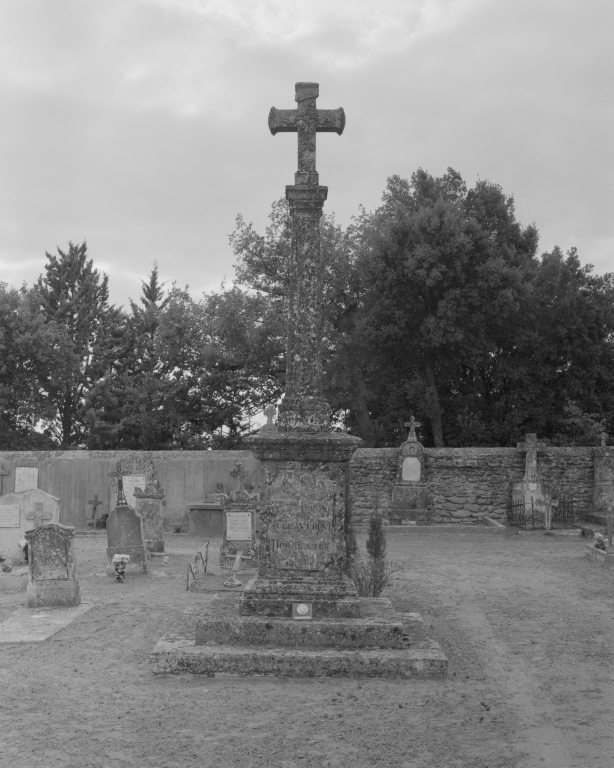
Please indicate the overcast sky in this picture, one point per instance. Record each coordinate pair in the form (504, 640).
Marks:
(141, 125)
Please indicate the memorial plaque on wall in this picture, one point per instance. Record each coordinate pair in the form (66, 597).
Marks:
(26, 478)
(239, 526)
(9, 515)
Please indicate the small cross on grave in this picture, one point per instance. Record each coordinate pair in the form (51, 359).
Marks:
(306, 120)
(3, 473)
(411, 425)
(240, 472)
(38, 514)
(269, 412)
(119, 474)
(530, 447)
(95, 504)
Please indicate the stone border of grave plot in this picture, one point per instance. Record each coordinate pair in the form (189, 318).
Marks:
(598, 555)
(14, 581)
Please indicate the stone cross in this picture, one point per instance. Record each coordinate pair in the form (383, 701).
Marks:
(411, 425)
(530, 447)
(304, 409)
(306, 120)
(95, 504)
(38, 513)
(3, 473)
(269, 412)
(119, 474)
(240, 472)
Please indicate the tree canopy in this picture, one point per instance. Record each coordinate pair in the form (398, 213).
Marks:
(436, 304)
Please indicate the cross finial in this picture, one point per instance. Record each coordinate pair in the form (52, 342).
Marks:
(269, 412)
(411, 425)
(95, 504)
(240, 472)
(119, 474)
(306, 120)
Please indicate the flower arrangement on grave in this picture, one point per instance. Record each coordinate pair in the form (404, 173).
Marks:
(120, 562)
(600, 541)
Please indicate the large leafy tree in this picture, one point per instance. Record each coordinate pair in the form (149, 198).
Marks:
(30, 349)
(74, 297)
(448, 275)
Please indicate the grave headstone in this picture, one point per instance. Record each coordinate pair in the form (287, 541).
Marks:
(148, 502)
(530, 490)
(123, 484)
(21, 512)
(26, 478)
(409, 492)
(52, 567)
(239, 509)
(125, 537)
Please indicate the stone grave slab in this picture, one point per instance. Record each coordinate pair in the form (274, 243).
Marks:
(125, 537)
(32, 625)
(28, 509)
(52, 567)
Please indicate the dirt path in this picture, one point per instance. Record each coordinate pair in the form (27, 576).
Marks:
(526, 621)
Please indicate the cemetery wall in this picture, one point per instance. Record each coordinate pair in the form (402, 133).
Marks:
(75, 476)
(463, 483)
(467, 483)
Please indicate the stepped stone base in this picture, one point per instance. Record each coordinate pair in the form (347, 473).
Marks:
(268, 597)
(381, 643)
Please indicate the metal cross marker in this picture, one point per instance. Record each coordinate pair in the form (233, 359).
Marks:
(306, 120)
(3, 473)
(240, 472)
(119, 474)
(95, 504)
(411, 425)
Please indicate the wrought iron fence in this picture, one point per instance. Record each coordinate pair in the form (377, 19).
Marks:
(523, 516)
(563, 513)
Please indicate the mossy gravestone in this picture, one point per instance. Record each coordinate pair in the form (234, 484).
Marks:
(52, 567)
(125, 537)
(21, 512)
(409, 493)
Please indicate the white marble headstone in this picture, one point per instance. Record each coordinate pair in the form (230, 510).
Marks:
(411, 469)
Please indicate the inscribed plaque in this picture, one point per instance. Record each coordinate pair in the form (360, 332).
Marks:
(303, 530)
(411, 469)
(9, 516)
(130, 482)
(26, 478)
(239, 526)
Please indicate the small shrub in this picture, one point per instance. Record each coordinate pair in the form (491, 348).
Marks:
(376, 541)
(372, 578)
(351, 549)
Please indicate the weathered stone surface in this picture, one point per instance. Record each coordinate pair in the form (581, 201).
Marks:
(52, 567)
(378, 626)
(239, 528)
(148, 503)
(21, 512)
(125, 537)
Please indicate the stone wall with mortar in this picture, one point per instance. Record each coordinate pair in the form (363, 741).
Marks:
(465, 484)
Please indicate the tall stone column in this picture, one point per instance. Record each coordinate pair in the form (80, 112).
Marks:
(305, 467)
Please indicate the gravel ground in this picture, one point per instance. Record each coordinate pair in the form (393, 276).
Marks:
(526, 621)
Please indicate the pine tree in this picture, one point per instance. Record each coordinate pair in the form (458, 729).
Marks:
(75, 298)
(376, 541)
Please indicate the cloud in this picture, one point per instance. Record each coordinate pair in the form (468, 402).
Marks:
(141, 124)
